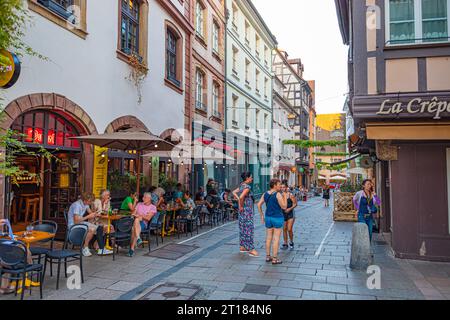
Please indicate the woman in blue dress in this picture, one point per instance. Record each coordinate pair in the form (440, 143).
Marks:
(244, 196)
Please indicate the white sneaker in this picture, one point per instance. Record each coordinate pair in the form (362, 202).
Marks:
(104, 252)
(86, 252)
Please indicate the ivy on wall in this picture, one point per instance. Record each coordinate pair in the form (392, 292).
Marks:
(312, 144)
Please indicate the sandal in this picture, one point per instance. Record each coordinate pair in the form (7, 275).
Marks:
(276, 261)
(254, 254)
(268, 258)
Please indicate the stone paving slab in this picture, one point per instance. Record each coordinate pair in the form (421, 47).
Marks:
(222, 273)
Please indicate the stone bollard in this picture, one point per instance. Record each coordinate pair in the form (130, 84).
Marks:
(361, 257)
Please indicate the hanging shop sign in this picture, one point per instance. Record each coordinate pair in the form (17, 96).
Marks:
(9, 70)
(100, 170)
(435, 107)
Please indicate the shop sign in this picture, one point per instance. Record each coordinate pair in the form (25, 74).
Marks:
(434, 107)
(10, 70)
(100, 170)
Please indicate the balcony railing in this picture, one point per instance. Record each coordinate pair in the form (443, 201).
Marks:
(201, 106)
(217, 114)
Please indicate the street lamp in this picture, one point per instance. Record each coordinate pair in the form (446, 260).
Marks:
(291, 120)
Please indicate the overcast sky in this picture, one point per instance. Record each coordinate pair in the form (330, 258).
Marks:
(308, 29)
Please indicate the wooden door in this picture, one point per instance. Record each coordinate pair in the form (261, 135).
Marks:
(62, 181)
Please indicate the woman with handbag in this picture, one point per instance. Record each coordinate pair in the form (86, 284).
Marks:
(366, 202)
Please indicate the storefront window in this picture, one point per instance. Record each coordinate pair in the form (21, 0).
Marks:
(46, 129)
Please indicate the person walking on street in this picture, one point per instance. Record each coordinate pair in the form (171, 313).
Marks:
(366, 202)
(275, 202)
(326, 196)
(289, 217)
(246, 203)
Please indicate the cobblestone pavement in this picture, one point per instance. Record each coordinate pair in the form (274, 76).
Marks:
(316, 269)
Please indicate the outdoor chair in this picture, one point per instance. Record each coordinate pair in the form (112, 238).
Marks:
(15, 267)
(182, 221)
(194, 220)
(154, 225)
(76, 236)
(45, 226)
(122, 235)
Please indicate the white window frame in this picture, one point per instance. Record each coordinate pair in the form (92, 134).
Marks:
(234, 111)
(215, 37)
(448, 187)
(215, 96)
(417, 25)
(247, 114)
(199, 18)
(235, 58)
(199, 86)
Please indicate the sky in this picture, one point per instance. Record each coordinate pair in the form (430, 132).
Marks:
(309, 30)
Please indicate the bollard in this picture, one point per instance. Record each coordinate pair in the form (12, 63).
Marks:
(361, 257)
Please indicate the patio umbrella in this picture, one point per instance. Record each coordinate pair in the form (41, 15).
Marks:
(198, 152)
(129, 140)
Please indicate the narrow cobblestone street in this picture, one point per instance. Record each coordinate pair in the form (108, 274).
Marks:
(215, 270)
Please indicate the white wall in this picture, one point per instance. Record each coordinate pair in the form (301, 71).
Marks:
(236, 83)
(89, 73)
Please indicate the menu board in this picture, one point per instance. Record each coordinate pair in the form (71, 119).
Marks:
(100, 170)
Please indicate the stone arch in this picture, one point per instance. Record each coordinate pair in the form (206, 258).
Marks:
(171, 135)
(49, 101)
(126, 122)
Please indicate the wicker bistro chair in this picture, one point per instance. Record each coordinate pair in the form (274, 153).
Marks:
(76, 235)
(155, 225)
(15, 267)
(122, 235)
(45, 226)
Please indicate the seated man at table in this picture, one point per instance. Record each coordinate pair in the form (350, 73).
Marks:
(143, 214)
(81, 213)
(188, 208)
(178, 194)
(157, 198)
(212, 201)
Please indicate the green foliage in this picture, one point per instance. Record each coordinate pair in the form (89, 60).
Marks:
(168, 184)
(13, 19)
(329, 166)
(350, 187)
(331, 154)
(10, 141)
(311, 144)
(124, 182)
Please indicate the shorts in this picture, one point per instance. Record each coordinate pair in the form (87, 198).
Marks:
(143, 225)
(288, 216)
(92, 227)
(274, 222)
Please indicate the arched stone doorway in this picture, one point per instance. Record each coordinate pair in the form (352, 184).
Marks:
(123, 164)
(49, 120)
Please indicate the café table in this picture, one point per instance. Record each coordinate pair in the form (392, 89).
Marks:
(29, 238)
(173, 209)
(110, 218)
